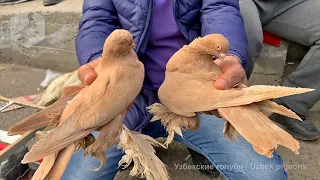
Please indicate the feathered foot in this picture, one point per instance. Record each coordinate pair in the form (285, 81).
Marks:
(172, 122)
(109, 135)
(139, 149)
(229, 131)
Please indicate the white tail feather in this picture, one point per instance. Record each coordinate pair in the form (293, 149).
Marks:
(172, 122)
(139, 149)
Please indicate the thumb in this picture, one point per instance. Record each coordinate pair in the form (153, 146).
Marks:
(232, 76)
(89, 77)
(86, 72)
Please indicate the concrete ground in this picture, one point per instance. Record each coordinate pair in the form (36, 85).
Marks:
(26, 66)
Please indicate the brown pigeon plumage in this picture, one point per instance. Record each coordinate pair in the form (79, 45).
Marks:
(100, 106)
(188, 89)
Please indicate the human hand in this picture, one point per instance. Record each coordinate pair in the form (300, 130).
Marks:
(233, 73)
(86, 72)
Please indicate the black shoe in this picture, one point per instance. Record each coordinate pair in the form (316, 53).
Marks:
(12, 168)
(50, 2)
(302, 130)
(199, 159)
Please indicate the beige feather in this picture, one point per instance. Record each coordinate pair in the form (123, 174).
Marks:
(45, 167)
(53, 91)
(61, 162)
(53, 165)
(55, 140)
(271, 106)
(229, 131)
(46, 116)
(258, 129)
(41, 134)
(139, 149)
(119, 81)
(109, 135)
(202, 95)
(188, 89)
(172, 122)
(73, 80)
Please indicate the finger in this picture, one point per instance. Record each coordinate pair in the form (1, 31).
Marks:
(233, 75)
(90, 77)
(228, 61)
(245, 80)
(86, 72)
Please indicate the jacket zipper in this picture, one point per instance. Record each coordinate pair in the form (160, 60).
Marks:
(146, 28)
(149, 115)
(147, 119)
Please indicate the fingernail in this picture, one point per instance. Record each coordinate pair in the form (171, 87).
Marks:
(222, 83)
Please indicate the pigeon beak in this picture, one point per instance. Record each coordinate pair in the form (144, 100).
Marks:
(133, 45)
(222, 56)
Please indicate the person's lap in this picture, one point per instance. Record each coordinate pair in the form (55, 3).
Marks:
(234, 159)
(294, 20)
(300, 24)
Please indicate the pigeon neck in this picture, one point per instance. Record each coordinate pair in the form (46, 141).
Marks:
(196, 49)
(198, 45)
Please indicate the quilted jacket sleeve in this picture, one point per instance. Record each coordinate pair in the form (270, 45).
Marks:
(223, 17)
(99, 19)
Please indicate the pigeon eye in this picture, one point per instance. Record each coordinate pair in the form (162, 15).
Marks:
(218, 47)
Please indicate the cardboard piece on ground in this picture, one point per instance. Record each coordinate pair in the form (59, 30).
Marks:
(27, 99)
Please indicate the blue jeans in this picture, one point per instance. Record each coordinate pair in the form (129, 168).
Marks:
(234, 159)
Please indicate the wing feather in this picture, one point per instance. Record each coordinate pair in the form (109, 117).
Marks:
(43, 118)
(258, 129)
